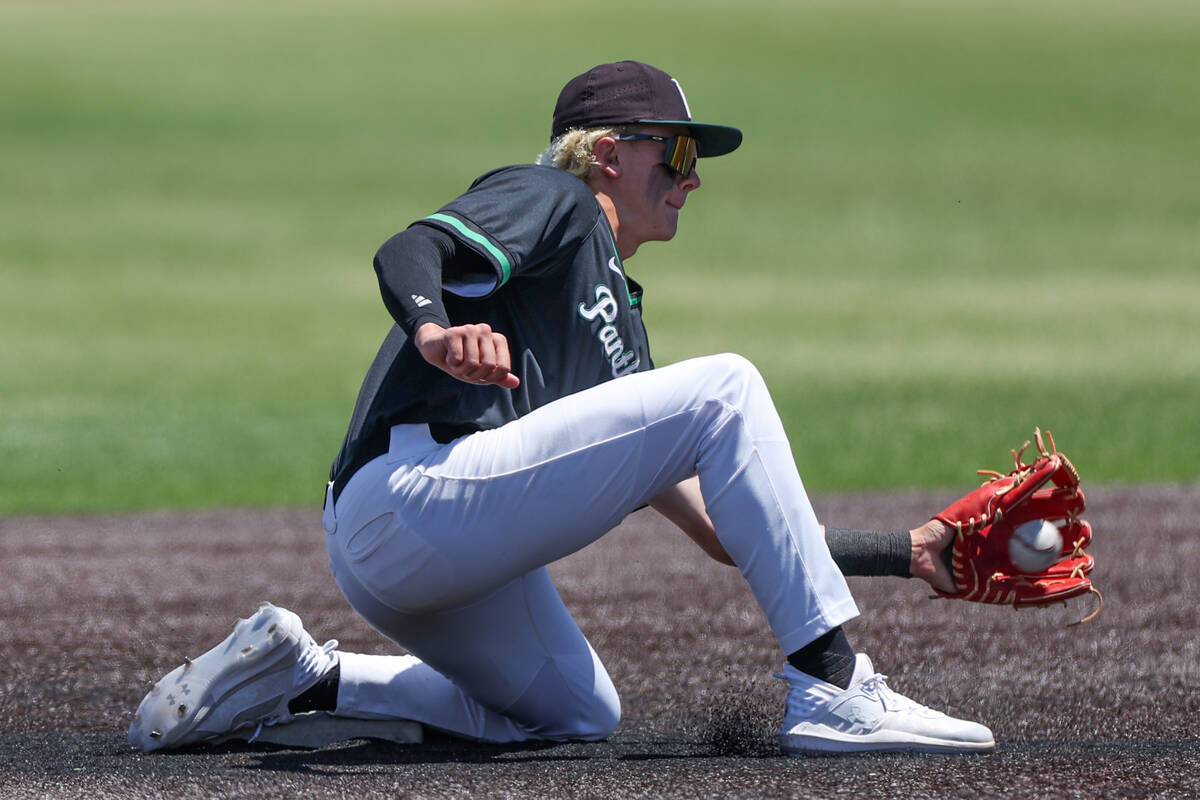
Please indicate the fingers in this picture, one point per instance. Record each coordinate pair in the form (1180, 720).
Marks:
(472, 353)
(503, 374)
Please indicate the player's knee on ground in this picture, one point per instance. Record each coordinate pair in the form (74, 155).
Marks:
(596, 720)
(560, 706)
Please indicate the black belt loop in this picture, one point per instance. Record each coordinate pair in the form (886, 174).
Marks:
(446, 432)
(339, 484)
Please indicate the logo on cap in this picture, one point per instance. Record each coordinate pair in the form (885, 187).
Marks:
(686, 108)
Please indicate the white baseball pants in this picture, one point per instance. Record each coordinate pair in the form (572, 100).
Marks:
(443, 548)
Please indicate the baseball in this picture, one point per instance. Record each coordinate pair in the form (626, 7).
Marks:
(1035, 545)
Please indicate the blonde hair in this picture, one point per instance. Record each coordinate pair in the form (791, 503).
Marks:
(575, 150)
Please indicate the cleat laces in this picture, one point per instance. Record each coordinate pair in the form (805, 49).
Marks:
(876, 686)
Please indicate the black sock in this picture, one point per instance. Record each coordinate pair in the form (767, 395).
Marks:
(829, 658)
(321, 696)
(870, 553)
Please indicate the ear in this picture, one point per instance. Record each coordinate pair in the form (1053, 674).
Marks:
(605, 152)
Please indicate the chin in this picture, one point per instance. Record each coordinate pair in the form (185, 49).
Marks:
(666, 231)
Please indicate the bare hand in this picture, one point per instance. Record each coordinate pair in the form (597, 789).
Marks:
(472, 353)
(929, 543)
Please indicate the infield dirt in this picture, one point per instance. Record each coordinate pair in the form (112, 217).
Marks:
(96, 606)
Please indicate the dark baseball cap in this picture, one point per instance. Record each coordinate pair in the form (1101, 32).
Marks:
(630, 92)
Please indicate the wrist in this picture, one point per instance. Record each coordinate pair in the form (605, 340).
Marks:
(429, 323)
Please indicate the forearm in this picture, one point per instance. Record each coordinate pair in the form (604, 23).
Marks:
(409, 268)
(871, 553)
(922, 552)
(683, 505)
(857, 553)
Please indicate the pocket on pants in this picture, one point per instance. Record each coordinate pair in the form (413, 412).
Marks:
(398, 567)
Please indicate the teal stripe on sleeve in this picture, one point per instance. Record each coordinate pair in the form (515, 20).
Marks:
(483, 241)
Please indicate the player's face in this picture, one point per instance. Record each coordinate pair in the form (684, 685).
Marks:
(651, 192)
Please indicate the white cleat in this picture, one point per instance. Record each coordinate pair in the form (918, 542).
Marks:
(248, 679)
(869, 717)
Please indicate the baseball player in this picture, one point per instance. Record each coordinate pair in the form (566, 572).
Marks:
(512, 416)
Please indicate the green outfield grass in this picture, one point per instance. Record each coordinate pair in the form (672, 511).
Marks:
(949, 223)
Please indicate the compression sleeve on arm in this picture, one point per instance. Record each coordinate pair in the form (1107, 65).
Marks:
(411, 266)
(870, 553)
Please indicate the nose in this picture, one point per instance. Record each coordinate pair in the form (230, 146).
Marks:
(691, 181)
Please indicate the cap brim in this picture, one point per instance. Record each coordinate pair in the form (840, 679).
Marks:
(711, 140)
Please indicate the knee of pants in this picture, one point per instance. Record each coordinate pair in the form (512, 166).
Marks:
(602, 717)
(738, 377)
(595, 721)
(552, 709)
(592, 721)
(733, 363)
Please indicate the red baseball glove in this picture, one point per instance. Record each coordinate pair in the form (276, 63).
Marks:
(985, 519)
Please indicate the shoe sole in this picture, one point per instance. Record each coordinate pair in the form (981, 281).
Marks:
(317, 729)
(834, 744)
(180, 703)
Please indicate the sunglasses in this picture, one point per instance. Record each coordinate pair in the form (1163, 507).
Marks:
(681, 150)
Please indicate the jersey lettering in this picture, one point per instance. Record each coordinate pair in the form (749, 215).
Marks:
(623, 362)
(606, 306)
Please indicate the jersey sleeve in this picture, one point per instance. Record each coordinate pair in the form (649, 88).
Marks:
(411, 267)
(522, 220)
